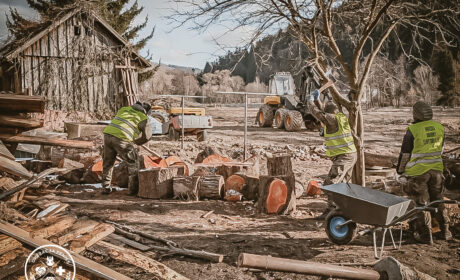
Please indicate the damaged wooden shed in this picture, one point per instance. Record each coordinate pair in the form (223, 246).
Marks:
(78, 62)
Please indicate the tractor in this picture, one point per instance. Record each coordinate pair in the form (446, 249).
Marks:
(289, 109)
(168, 121)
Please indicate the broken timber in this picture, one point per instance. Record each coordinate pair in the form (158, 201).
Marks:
(136, 258)
(81, 262)
(46, 141)
(22, 103)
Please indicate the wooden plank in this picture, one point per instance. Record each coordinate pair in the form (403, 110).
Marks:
(129, 242)
(80, 227)
(137, 259)
(14, 168)
(46, 141)
(100, 232)
(18, 121)
(22, 103)
(81, 262)
(4, 152)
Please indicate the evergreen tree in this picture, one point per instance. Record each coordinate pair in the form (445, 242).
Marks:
(446, 72)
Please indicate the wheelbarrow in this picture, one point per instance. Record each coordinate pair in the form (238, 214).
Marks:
(356, 204)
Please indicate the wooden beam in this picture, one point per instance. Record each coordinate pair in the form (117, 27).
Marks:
(22, 103)
(79, 228)
(46, 141)
(18, 121)
(14, 168)
(137, 259)
(100, 232)
(4, 152)
(81, 262)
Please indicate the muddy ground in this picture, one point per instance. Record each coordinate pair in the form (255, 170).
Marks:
(235, 228)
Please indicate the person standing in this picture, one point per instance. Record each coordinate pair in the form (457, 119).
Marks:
(420, 160)
(340, 147)
(130, 126)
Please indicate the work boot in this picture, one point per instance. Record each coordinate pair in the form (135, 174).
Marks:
(446, 234)
(106, 190)
(425, 238)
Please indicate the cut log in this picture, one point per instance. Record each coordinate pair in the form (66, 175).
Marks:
(70, 164)
(82, 226)
(100, 232)
(137, 259)
(211, 186)
(215, 159)
(251, 187)
(22, 103)
(152, 162)
(158, 182)
(81, 262)
(228, 170)
(279, 165)
(75, 130)
(207, 151)
(186, 187)
(380, 159)
(46, 141)
(11, 130)
(20, 122)
(276, 194)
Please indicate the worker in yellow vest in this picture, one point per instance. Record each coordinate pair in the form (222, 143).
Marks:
(340, 147)
(130, 126)
(421, 162)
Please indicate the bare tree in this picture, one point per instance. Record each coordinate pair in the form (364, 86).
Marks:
(319, 24)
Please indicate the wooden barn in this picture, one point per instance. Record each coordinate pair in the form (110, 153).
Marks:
(77, 62)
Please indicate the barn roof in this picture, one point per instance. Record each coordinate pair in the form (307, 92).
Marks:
(11, 54)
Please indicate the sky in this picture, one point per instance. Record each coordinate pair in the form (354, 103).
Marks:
(179, 46)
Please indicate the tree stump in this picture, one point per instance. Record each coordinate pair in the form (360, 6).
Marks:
(276, 195)
(158, 182)
(280, 165)
(205, 153)
(211, 186)
(228, 170)
(186, 187)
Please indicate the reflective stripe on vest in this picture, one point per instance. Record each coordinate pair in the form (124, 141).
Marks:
(427, 151)
(124, 124)
(340, 142)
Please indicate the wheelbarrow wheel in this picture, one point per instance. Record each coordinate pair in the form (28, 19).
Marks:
(340, 235)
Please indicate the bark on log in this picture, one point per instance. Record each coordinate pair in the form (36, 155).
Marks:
(46, 141)
(20, 122)
(228, 170)
(22, 103)
(211, 187)
(276, 195)
(383, 160)
(135, 258)
(186, 187)
(248, 186)
(157, 182)
(207, 151)
(279, 165)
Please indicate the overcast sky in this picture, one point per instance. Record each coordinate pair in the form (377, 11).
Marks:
(180, 47)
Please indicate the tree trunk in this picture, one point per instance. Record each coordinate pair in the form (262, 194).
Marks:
(157, 182)
(280, 164)
(356, 124)
(211, 186)
(186, 187)
(276, 195)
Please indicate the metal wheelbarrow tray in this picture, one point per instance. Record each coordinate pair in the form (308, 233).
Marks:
(367, 206)
(356, 204)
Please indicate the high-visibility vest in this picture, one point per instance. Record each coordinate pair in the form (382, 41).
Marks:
(340, 142)
(427, 151)
(124, 125)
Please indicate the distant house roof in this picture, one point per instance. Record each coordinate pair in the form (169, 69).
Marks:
(11, 54)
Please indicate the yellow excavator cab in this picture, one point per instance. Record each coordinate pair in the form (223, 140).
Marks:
(272, 100)
(187, 111)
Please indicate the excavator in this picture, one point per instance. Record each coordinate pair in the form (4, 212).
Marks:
(287, 108)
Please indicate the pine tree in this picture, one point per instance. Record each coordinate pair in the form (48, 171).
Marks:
(446, 73)
(113, 11)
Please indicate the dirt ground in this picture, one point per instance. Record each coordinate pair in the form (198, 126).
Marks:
(235, 227)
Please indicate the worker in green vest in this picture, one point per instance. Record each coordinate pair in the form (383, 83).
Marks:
(421, 162)
(340, 147)
(130, 126)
